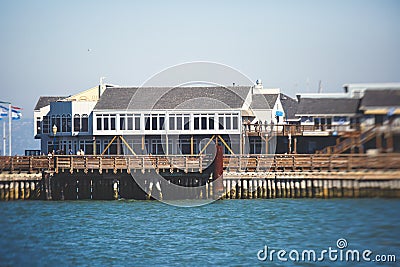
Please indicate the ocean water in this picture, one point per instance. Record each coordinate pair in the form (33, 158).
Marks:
(224, 233)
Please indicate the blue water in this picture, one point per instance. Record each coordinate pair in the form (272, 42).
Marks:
(225, 233)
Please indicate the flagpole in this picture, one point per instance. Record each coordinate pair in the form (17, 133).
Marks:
(4, 137)
(9, 128)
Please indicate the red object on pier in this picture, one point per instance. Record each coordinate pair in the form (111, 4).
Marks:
(218, 186)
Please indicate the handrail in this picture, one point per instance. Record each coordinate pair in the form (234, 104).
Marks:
(347, 143)
(297, 129)
(243, 162)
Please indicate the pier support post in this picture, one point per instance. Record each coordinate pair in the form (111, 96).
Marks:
(233, 189)
(12, 191)
(239, 189)
(115, 190)
(22, 190)
(6, 191)
(2, 191)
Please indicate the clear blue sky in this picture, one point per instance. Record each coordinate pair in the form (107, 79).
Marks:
(44, 44)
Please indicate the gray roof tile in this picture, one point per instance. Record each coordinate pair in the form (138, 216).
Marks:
(46, 100)
(263, 101)
(380, 98)
(289, 106)
(160, 98)
(327, 106)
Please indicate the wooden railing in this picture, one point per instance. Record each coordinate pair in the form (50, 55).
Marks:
(349, 142)
(312, 162)
(296, 129)
(295, 162)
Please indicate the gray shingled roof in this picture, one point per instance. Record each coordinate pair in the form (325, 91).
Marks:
(160, 98)
(46, 100)
(327, 106)
(289, 106)
(263, 101)
(380, 98)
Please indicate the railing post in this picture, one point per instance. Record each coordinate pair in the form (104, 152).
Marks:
(200, 164)
(312, 162)
(30, 165)
(86, 165)
(55, 164)
(11, 164)
(71, 164)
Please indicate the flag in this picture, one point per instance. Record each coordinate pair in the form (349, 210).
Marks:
(15, 112)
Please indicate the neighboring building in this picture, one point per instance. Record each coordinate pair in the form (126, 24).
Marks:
(290, 107)
(328, 112)
(381, 105)
(156, 120)
(72, 117)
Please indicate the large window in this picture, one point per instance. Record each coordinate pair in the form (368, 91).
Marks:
(77, 123)
(153, 122)
(180, 122)
(186, 121)
(98, 121)
(203, 121)
(137, 122)
(46, 124)
(130, 122)
(85, 123)
(122, 119)
(106, 122)
(63, 123)
(229, 121)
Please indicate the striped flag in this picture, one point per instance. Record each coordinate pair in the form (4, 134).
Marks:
(15, 111)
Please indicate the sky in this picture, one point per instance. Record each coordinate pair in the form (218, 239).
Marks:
(63, 47)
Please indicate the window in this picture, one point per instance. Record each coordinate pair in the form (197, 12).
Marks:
(137, 122)
(85, 123)
(161, 122)
(184, 146)
(228, 124)
(57, 122)
(106, 126)
(306, 119)
(38, 128)
(179, 123)
(46, 124)
(340, 119)
(64, 124)
(99, 123)
(204, 123)
(172, 122)
(196, 123)
(130, 122)
(211, 123)
(122, 122)
(235, 122)
(221, 123)
(186, 122)
(112, 121)
(157, 147)
(77, 123)
(147, 122)
(69, 123)
(154, 122)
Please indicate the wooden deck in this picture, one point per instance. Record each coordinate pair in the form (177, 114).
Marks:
(232, 163)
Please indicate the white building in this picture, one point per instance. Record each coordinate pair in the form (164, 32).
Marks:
(156, 120)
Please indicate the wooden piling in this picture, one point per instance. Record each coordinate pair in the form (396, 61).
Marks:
(2, 193)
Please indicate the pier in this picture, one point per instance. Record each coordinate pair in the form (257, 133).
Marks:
(244, 176)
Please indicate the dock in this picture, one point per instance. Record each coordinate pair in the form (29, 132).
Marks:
(244, 176)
